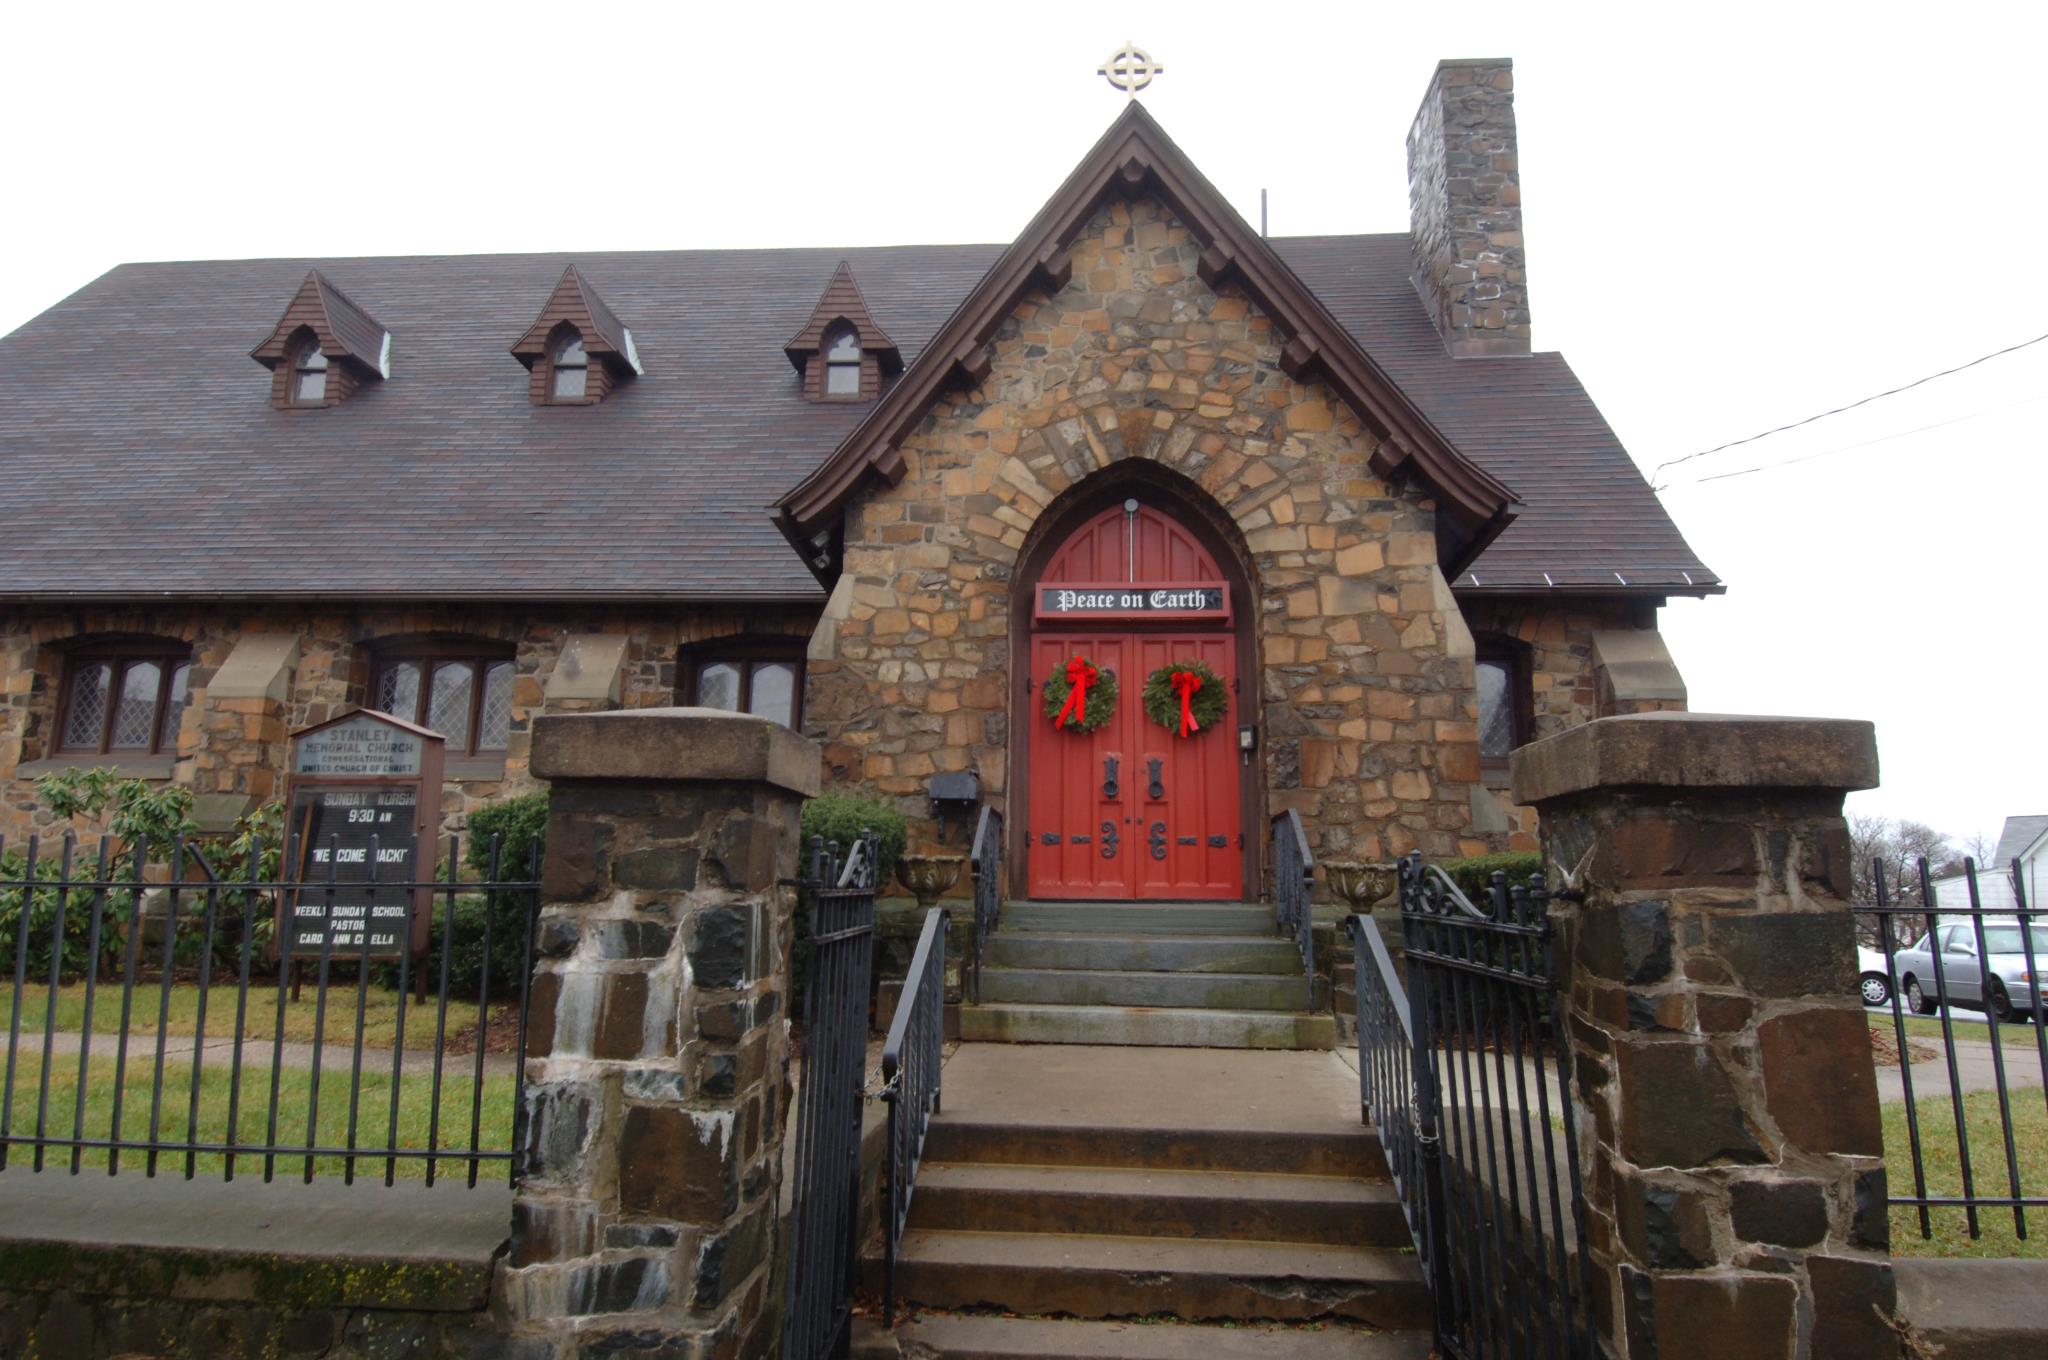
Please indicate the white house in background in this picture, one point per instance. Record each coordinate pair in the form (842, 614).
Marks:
(2024, 839)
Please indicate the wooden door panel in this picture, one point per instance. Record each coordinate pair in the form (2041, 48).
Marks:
(1069, 799)
(1179, 831)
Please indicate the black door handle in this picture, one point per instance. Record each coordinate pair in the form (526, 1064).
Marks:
(1158, 788)
(1109, 787)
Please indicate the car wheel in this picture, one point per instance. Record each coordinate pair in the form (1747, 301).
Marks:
(1875, 990)
(1918, 999)
(2001, 1005)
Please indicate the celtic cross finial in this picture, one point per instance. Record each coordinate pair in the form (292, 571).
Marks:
(1130, 68)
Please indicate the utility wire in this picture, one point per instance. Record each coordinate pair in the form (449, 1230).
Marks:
(1859, 444)
(1892, 392)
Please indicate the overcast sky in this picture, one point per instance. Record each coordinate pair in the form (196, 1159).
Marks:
(1736, 217)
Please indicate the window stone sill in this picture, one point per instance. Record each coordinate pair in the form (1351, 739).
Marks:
(473, 769)
(126, 767)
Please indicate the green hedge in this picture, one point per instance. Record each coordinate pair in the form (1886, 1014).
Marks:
(841, 817)
(1475, 875)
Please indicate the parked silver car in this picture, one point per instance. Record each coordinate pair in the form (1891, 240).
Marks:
(2013, 991)
(1873, 984)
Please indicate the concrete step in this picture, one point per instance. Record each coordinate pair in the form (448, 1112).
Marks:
(942, 1337)
(1260, 1207)
(1139, 918)
(1352, 1151)
(1254, 953)
(1102, 1277)
(1102, 987)
(1162, 1028)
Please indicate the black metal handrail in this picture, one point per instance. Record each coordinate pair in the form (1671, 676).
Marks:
(1907, 964)
(87, 930)
(912, 1059)
(985, 861)
(824, 1245)
(1397, 1089)
(1294, 876)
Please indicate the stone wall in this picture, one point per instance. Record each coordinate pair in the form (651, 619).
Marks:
(1366, 689)
(1730, 1142)
(1465, 209)
(233, 745)
(644, 1221)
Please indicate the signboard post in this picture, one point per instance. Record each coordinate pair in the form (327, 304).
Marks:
(360, 781)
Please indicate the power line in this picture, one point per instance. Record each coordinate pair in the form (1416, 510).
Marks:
(1891, 392)
(1859, 444)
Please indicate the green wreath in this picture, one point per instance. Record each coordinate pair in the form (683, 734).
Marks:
(1163, 698)
(1098, 707)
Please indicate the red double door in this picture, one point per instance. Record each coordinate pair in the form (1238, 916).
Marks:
(1134, 810)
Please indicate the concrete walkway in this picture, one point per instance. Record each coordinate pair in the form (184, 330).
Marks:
(219, 1052)
(1975, 1070)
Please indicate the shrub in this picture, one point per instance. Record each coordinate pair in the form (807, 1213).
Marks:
(1475, 875)
(841, 817)
(42, 917)
(522, 823)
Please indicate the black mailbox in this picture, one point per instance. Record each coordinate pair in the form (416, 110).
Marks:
(954, 796)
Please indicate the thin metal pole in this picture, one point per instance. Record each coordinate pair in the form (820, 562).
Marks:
(92, 974)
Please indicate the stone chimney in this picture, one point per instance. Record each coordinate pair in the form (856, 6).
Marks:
(1465, 209)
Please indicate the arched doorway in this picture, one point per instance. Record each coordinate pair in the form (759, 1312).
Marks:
(1132, 581)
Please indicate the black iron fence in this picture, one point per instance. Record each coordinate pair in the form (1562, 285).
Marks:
(912, 1059)
(1464, 1073)
(1964, 1089)
(1294, 875)
(156, 1009)
(825, 1223)
(985, 860)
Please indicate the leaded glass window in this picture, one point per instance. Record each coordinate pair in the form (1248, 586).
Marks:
(118, 699)
(764, 677)
(464, 696)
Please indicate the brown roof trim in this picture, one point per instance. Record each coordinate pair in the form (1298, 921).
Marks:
(1654, 590)
(578, 303)
(551, 595)
(344, 330)
(842, 300)
(1135, 155)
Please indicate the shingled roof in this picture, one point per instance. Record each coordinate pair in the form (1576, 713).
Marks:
(148, 463)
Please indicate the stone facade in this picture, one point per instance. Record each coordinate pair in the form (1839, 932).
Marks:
(1730, 1143)
(1366, 684)
(644, 1221)
(290, 666)
(1465, 209)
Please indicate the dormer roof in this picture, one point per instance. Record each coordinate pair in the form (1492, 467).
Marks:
(578, 303)
(842, 302)
(344, 329)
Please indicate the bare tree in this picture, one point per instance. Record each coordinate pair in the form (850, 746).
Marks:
(1898, 846)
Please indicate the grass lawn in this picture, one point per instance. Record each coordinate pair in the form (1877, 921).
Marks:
(295, 1091)
(1929, 1027)
(1943, 1168)
(380, 1012)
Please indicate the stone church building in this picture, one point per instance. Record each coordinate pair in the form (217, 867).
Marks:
(885, 495)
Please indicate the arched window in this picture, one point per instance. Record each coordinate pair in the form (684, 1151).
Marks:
(461, 689)
(309, 374)
(762, 676)
(842, 364)
(1505, 699)
(570, 368)
(124, 696)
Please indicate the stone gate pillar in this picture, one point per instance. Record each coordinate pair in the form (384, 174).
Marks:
(1732, 1154)
(657, 1093)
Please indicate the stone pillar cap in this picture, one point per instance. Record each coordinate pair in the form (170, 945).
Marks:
(675, 745)
(1698, 751)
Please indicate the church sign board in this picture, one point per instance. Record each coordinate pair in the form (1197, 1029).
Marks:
(364, 802)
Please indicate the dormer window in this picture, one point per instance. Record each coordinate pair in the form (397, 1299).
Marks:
(577, 349)
(842, 365)
(841, 354)
(569, 371)
(323, 349)
(309, 374)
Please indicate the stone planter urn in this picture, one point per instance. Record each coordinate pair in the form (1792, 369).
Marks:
(1362, 886)
(927, 876)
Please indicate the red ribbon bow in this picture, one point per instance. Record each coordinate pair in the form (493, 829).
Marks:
(1185, 683)
(1080, 675)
